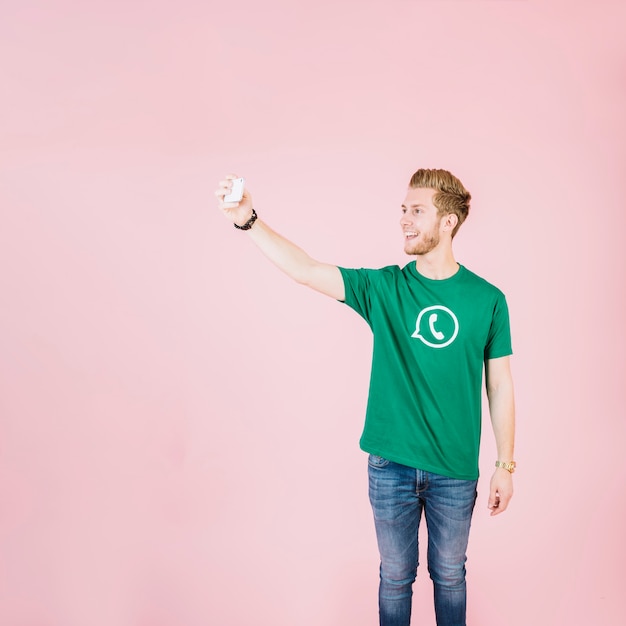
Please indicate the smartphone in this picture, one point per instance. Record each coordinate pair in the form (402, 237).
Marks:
(236, 193)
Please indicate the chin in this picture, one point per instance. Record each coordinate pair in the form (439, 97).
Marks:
(420, 250)
(414, 247)
(421, 247)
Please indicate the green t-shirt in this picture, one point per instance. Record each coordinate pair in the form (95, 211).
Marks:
(431, 339)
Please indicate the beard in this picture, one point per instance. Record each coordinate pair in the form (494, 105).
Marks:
(424, 243)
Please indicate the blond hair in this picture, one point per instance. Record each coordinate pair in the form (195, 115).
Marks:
(451, 196)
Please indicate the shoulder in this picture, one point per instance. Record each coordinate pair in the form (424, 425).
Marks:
(376, 283)
(479, 283)
(389, 277)
(390, 272)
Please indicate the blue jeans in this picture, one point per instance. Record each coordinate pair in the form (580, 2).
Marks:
(398, 495)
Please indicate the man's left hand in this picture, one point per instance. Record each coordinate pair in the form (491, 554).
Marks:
(500, 491)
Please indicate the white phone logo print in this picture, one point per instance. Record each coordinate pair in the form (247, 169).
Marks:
(444, 318)
(431, 323)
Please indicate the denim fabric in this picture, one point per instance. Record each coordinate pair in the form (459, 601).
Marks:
(398, 495)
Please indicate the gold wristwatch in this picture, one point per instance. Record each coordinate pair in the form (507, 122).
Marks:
(509, 467)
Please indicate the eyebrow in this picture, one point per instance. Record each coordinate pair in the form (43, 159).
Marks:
(413, 206)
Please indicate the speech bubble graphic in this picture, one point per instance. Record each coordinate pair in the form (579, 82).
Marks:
(436, 326)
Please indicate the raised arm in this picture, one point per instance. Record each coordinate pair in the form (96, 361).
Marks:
(502, 411)
(288, 257)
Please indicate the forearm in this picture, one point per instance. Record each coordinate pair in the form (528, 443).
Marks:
(296, 263)
(288, 257)
(502, 411)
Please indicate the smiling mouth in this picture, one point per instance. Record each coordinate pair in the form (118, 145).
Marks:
(410, 235)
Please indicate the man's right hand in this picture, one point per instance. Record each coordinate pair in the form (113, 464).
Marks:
(237, 212)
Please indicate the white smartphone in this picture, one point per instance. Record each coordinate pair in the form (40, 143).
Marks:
(236, 193)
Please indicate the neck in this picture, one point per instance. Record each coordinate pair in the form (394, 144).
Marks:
(437, 264)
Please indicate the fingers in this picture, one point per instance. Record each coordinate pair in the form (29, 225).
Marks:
(225, 187)
(494, 500)
(498, 502)
(220, 193)
(500, 505)
(495, 503)
(238, 212)
(500, 493)
(227, 183)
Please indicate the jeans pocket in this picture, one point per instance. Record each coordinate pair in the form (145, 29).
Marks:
(377, 461)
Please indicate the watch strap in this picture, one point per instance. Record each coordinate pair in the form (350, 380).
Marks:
(248, 224)
(509, 467)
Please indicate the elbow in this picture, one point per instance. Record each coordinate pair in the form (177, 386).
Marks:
(305, 273)
(302, 278)
(500, 385)
(503, 389)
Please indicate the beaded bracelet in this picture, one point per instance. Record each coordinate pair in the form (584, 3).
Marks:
(248, 224)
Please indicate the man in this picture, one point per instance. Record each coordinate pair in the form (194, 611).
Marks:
(435, 325)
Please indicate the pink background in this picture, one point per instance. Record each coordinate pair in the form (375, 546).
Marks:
(179, 423)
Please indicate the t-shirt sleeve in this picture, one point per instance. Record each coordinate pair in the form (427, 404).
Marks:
(499, 338)
(358, 286)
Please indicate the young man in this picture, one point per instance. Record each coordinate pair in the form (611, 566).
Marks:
(435, 325)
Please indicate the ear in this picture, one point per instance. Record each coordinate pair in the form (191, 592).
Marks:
(449, 222)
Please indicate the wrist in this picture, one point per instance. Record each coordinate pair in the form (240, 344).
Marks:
(247, 225)
(509, 466)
